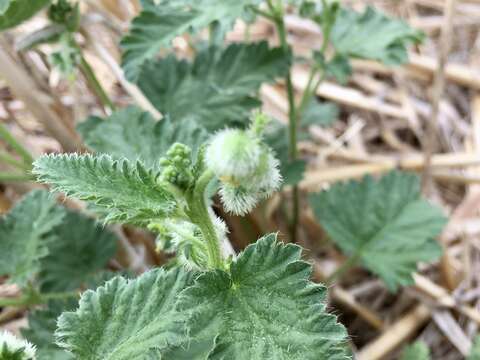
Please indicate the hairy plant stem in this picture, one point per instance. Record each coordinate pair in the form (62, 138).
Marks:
(35, 298)
(199, 215)
(95, 84)
(19, 148)
(342, 269)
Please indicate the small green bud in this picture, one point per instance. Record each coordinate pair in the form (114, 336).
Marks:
(177, 166)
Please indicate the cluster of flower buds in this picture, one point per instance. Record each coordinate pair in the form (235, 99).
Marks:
(247, 168)
(13, 348)
(177, 166)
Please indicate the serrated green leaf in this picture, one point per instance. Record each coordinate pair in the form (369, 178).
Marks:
(81, 247)
(266, 308)
(125, 190)
(216, 90)
(41, 327)
(475, 350)
(373, 35)
(417, 351)
(24, 235)
(158, 24)
(124, 319)
(133, 134)
(385, 223)
(14, 12)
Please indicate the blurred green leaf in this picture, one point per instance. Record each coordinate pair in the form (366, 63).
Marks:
(385, 223)
(14, 12)
(133, 134)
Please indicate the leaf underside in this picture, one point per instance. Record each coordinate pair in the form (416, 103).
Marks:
(158, 24)
(25, 235)
(133, 134)
(125, 319)
(218, 89)
(385, 222)
(125, 190)
(372, 35)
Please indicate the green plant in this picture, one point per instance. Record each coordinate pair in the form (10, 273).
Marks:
(164, 175)
(202, 311)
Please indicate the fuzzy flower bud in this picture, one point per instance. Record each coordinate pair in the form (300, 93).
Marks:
(12, 347)
(246, 167)
(177, 166)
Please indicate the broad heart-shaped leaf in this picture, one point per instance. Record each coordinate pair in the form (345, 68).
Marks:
(24, 235)
(265, 308)
(216, 90)
(385, 223)
(133, 134)
(124, 319)
(158, 24)
(81, 247)
(14, 12)
(41, 327)
(125, 190)
(417, 351)
(372, 35)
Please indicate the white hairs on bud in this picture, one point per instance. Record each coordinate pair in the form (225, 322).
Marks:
(269, 180)
(13, 344)
(236, 200)
(233, 153)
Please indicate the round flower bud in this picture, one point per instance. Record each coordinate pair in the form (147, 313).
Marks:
(233, 155)
(237, 200)
(13, 347)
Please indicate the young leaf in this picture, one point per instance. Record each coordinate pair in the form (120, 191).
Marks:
(417, 351)
(266, 308)
(124, 319)
(161, 21)
(218, 88)
(125, 190)
(14, 12)
(24, 235)
(133, 134)
(81, 248)
(372, 35)
(41, 327)
(384, 223)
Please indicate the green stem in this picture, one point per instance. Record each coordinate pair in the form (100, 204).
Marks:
(19, 148)
(95, 84)
(199, 215)
(35, 299)
(12, 177)
(9, 159)
(347, 265)
(292, 115)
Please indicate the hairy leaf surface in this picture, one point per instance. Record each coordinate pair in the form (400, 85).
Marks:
(14, 12)
(218, 88)
(417, 351)
(372, 35)
(133, 134)
(125, 318)
(158, 24)
(265, 309)
(81, 247)
(126, 190)
(24, 235)
(385, 223)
